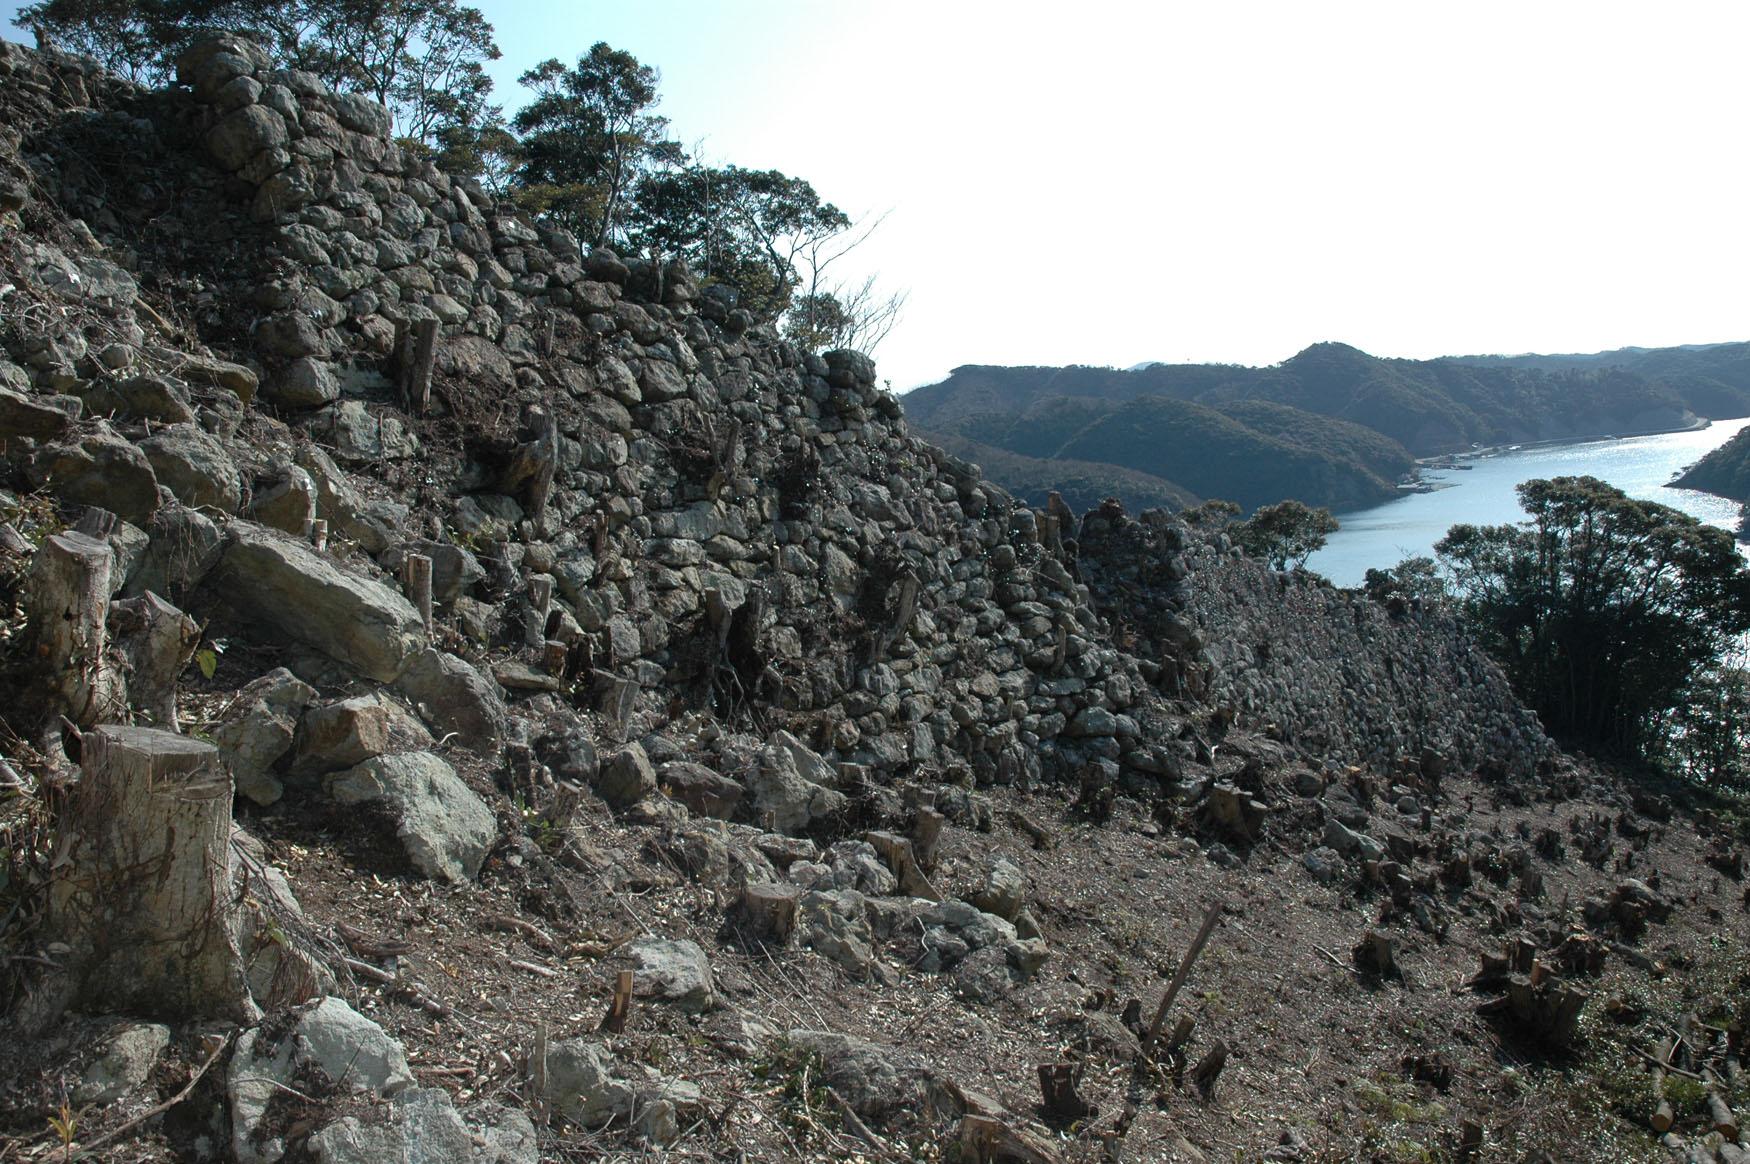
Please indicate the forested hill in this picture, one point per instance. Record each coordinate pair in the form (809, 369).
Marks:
(1331, 426)
(1725, 471)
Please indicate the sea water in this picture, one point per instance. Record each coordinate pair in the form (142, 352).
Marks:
(1482, 494)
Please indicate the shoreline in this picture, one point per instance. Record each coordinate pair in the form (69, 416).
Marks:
(1444, 460)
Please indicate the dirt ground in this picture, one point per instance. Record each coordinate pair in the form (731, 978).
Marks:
(1330, 1061)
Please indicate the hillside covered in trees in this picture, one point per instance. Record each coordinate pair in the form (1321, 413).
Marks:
(1332, 426)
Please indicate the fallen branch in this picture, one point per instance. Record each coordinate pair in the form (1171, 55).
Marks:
(399, 985)
(1154, 1028)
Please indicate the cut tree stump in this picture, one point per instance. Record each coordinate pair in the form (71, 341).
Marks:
(415, 356)
(1208, 1069)
(770, 910)
(142, 892)
(157, 640)
(67, 594)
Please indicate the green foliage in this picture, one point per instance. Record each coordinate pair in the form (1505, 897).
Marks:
(424, 59)
(1709, 733)
(587, 137)
(1285, 534)
(1411, 580)
(1603, 610)
(1725, 471)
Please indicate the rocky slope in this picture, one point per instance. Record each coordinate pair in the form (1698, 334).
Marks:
(562, 641)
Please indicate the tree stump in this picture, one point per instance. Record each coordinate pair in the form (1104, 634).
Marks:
(142, 895)
(67, 595)
(157, 640)
(926, 836)
(770, 910)
(1208, 1069)
(415, 356)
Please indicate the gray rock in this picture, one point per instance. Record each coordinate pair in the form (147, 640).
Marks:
(418, 1126)
(154, 398)
(874, 1079)
(331, 1040)
(672, 970)
(1004, 892)
(835, 924)
(127, 1063)
(455, 699)
(237, 137)
(287, 585)
(306, 382)
(35, 417)
(445, 829)
(626, 777)
(361, 115)
(505, 1137)
(195, 467)
(1349, 842)
(258, 728)
(581, 1084)
(348, 732)
(183, 547)
(782, 799)
(287, 503)
(359, 437)
(102, 469)
(219, 374)
(1324, 863)
(289, 335)
(704, 792)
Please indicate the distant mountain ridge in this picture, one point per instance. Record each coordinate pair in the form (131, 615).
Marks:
(1332, 426)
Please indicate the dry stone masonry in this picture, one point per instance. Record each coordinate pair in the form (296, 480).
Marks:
(470, 522)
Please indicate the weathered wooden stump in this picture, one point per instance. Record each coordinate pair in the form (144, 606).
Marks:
(142, 894)
(770, 910)
(67, 595)
(157, 640)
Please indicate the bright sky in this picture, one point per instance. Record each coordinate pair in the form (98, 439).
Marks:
(1110, 183)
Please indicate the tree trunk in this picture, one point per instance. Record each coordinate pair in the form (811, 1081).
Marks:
(67, 595)
(143, 891)
(156, 639)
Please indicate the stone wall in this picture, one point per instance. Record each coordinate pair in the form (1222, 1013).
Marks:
(739, 538)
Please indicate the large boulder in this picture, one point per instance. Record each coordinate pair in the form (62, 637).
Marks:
(454, 698)
(874, 1079)
(783, 798)
(289, 586)
(36, 417)
(195, 467)
(348, 732)
(330, 1046)
(445, 829)
(673, 970)
(99, 468)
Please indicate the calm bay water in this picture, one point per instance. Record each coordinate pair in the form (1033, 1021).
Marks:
(1483, 495)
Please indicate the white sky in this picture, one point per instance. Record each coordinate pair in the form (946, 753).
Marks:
(1230, 180)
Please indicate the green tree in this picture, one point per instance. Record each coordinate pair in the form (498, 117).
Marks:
(763, 232)
(586, 139)
(1285, 534)
(424, 59)
(1603, 610)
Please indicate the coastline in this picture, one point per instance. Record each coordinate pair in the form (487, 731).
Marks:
(1445, 460)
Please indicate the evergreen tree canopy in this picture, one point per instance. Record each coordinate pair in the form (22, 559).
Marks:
(1603, 609)
(424, 59)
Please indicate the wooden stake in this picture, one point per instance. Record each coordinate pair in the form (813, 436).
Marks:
(1197, 943)
(416, 577)
(615, 1020)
